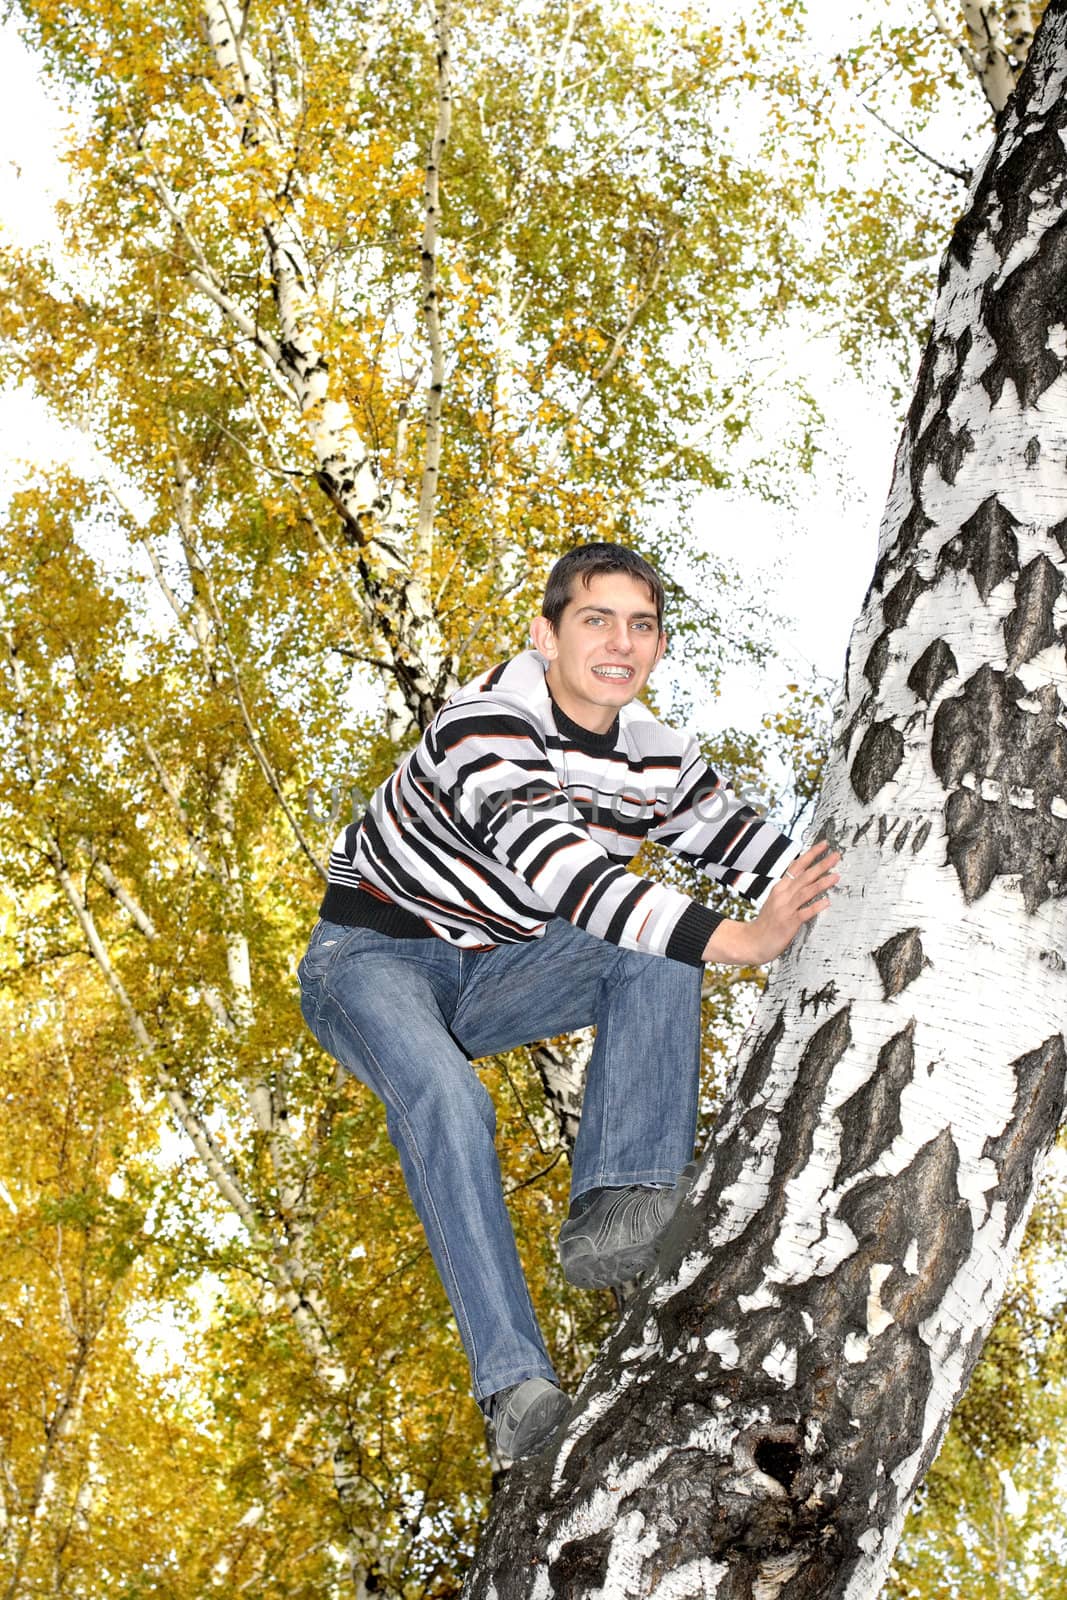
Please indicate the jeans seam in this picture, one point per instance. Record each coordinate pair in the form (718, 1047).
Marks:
(414, 1144)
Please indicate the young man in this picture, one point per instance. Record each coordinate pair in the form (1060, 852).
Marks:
(483, 902)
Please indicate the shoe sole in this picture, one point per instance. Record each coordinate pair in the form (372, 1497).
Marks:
(585, 1269)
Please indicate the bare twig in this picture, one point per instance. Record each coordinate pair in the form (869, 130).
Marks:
(963, 174)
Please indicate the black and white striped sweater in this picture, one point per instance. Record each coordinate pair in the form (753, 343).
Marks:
(508, 814)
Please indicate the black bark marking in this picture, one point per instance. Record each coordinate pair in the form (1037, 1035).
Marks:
(937, 442)
(877, 660)
(818, 998)
(1059, 533)
(861, 830)
(923, 1203)
(932, 670)
(1032, 454)
(1035, 1118)
(829, 830)
(896, 607)
(885, 828)
(1020, 315)
(857, 720)
(972, 843)
(956, 740)
(899, 961)
(737, 1269)
(915, 524)
(885, 1214)
(1031, 169)
(801, 1112)
(880, 753)
(948, 448)
(921, 837)
(985, 546)
(982, 732)
(1030, 628)
(870, 1119)
(761, 1060)
(968, 231)
(901, 838)
(581, 1565)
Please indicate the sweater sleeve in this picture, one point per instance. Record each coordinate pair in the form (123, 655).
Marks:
(494, 778)
(726, 838)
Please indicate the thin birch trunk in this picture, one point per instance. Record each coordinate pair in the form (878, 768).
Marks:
(992, 49)
(378, 520)
(285, 1253)
(759, 1422)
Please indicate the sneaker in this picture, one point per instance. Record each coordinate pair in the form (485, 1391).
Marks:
(613, 1235)
(525, 1416)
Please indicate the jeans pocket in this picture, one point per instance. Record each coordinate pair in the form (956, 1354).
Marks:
(326, 942)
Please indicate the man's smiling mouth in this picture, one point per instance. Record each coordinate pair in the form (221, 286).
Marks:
(616, 674)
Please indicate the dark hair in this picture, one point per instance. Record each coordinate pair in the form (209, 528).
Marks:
(588, 561)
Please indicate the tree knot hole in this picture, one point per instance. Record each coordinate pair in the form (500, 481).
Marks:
(780, 1458)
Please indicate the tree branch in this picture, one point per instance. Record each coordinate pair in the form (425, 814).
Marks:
(196, 849)
(963, 174)
(198, 568)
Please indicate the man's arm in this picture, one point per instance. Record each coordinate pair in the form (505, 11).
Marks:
(799, 895)
(725, 837)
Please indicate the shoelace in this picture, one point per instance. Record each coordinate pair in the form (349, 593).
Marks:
(493, 1404)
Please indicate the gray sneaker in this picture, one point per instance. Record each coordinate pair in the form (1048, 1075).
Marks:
(613, 1235)
(525, 1417)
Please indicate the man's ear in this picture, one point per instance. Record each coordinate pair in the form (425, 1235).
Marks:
(660, 648)
(543, 635)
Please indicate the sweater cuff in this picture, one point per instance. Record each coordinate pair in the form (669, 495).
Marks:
(691, 933)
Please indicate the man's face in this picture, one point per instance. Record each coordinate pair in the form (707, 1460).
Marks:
(606, 645)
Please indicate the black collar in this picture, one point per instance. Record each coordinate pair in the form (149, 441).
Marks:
(596, 743)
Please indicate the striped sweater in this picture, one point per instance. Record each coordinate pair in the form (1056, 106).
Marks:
(508, 814)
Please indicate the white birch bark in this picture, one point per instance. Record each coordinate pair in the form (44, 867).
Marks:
(1019, 27)
(992, 47)
(393, 539)
(431, 299)
(759, 1422)
(989, 46)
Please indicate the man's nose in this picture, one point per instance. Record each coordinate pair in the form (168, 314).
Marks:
(621, 641)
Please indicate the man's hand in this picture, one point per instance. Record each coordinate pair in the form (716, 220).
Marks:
(797, 897)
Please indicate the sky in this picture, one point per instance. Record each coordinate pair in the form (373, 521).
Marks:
(810, 563)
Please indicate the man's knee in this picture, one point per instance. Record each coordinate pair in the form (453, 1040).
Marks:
(450, 1101)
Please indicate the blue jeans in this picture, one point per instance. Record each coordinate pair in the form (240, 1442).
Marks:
(407, 1017)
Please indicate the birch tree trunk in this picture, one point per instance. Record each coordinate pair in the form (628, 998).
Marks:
(993, 45)
(758, 1423)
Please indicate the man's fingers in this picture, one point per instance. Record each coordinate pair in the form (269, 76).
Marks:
(815, 876)
(806, 913)
(816, 872)
(811, 862)
(812, 853)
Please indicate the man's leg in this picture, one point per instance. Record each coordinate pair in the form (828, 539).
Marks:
(639, 1111)
(382, 1007)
